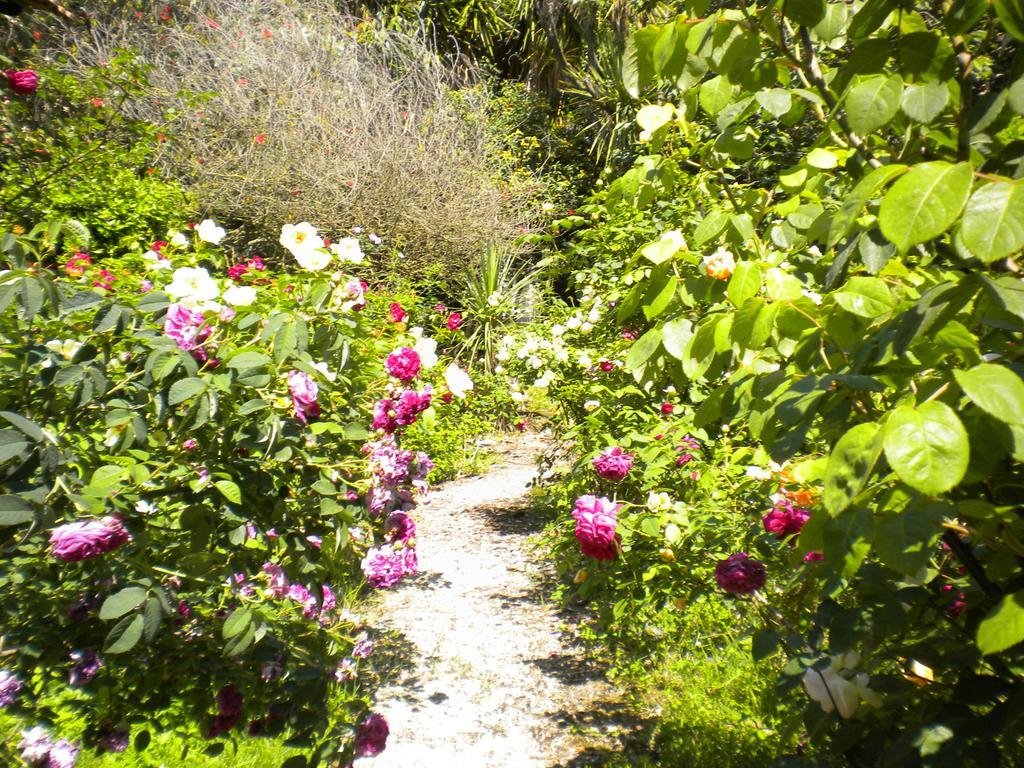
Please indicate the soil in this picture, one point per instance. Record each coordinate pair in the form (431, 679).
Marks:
(489, 676)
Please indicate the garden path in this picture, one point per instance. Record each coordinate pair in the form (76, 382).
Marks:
(492, 680)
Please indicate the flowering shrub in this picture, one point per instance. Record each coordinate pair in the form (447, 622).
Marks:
(186, 494)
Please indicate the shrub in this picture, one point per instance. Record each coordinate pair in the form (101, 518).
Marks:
(289, 112)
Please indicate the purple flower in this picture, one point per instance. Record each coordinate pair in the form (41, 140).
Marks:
(363, 647)
(73, 542)
(63, 754)
(740, 574)
(87, 664)
(230, 704)
(315, 541)
(403, 364)
(371, 736)
(410, 562)
(9, 687)
(35, 745)
(187, 327)
(304, 392)
(400, 526)
(116, 740)
(300, 594)
(346, 670)
(329, 600)
(383, 567)
(278, 581)
(613, 464)
(785, 520)
(145, 286)
(271, 670)
(190, 444)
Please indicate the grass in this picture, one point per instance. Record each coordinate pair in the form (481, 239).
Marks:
(166, 752)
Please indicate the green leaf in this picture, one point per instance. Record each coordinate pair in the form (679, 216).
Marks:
(926, 101)
(847, 540)
(185, 389)
(993, 225)
(230, 491)
(676, 334)
(26, 426)
(1015, 95)
(14, 510)
(870, 17)
(235, 624)
(905, 541)
(822, 159)
(1003, 627)
(963, 15)
(642, 349)
(710, 227)
(849, 466)
(715, 94)
(845, 218)
(927, 446)
(120, 603)
(1011, 14)
(776, 101)
(654, 116)
(924, 203)
(125, 635)
(805, 12)
(744, 283)
(873, 102)
(865, 297)
(996, 390)
(247, 358)
(659, 295)
(152, 619)
(662, 249)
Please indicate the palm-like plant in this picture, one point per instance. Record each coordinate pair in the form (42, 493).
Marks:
(495, 293)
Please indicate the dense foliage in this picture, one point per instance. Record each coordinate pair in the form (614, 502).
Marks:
(800, 321)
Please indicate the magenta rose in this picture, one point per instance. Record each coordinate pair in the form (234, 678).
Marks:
(596, 520)
(304, 392)
(383, 567)
(403, 364)
(454, 321)
(396, 313)
(187, 327)
(73, 542)
(23, 82)
(372, 736)
(785, 520)
(613, 464)
(740, 574)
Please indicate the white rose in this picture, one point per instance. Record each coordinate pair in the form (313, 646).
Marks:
(177, 238)
(348, 249)
(192, 286)
(240, 295)
(209, 232)
(426, 348)
(557, 330)
(303, 242)
(573, 323)
(458, 381)
(591, 405)
(327, 373)
(586, 328)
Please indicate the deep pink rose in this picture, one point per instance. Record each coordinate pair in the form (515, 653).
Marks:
(396, 313)
(73, 542)
(667, 407)
(383, 567)
(187, 327)
(230, 704)
(740, 574)
(372, 736)
(76, 264)
(785, 520)
(454, 321)
(304, 392)
(613, 464)
(23, 82)
(596, 519)
(403, 364)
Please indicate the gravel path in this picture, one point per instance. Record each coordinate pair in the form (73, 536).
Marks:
(490, 682)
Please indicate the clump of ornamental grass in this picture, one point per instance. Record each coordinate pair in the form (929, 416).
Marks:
(298, 112)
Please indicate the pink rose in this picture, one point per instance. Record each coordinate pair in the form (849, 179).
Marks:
(187, 327)
(73, 542)
(596, 519)
(304, 392)
(371, 736)
(613, 464)
(396, 313)
(785, 520)
(403, 364)
(454, 321)
(740, 574)
(23, 82)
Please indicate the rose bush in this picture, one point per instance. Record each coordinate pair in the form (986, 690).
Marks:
(187, 493)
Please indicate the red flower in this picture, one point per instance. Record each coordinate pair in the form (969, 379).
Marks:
(396, 313)
(667, 407)
(454, 321)
(261, 138)
(75, 266)
(607, 365)
(23, 82)
(97, 102)
(105, 281)
(158, 246)
(740, 574)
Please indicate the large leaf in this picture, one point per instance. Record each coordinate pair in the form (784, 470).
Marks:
(996, 390)
(125, 635)
(993, 226)
(120, 603)
(1003, 627)
(642, 349)
(805, 12)
(184, 389)
(924, 102)
(744, 283)
(865, 297)
(849, 466)
(1011, 13)
(676, 334)
(14, 510)
(873, 102)
(905, 541)
(927, 446)
(924, 203)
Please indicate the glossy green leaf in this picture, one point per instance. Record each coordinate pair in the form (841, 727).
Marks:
(659, 295)
(925, 101)
(854, 202)
(873, 102)
(715, 94)
(1003, 627)
(776, 101)
(120, 603)
(744, 283)
(185, 389)
(865, 297)
(805, 12)
(642, 349)
(925, 202)
(996, 390)
(906, 540)
(927, 446)
(993, 225)
(676, 334)
(236, 623)
(849, 466)
(230, 491)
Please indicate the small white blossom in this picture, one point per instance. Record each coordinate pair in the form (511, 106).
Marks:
(348, 249)
(240, 295)
(209, 232)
